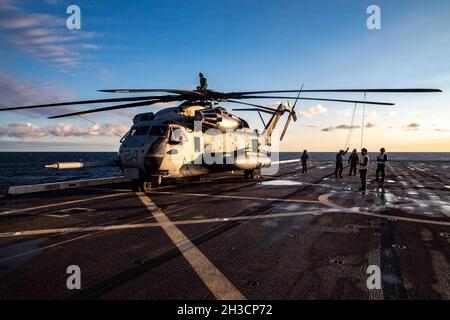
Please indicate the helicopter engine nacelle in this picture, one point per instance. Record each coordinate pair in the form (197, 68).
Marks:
(148, 116)
(215, 119)
(252, 161)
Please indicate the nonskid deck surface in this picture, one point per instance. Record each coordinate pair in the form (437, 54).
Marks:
(289, 236)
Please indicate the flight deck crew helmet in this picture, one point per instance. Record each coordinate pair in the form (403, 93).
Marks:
(364, 150)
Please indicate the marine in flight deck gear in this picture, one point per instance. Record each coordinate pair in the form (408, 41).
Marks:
(363, 167)
(203, 82)
(339, 165)
(353, 160)
(381, 165)
(305, 158)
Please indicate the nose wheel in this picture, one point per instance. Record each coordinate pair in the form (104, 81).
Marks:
(251, 174)
(146, 185)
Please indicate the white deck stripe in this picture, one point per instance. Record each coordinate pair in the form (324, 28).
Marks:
(157, 224)
(323, 198)
(232, 197)
(216, 282)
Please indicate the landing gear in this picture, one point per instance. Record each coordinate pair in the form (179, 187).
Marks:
(146, 184)
(251, 174)
(141, 186)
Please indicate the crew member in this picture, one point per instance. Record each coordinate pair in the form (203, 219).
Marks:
(363, 167)
(381, 164)
(339, 165)
(353, 160)
(305, 158)
(203, 82)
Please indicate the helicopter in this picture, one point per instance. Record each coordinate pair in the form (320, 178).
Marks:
(198, 136)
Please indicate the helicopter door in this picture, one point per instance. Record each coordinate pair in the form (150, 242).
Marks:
(177, 147)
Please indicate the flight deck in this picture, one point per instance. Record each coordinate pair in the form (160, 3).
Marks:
(287, 236)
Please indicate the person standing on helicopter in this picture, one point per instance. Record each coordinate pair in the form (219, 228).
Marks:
(203, 82)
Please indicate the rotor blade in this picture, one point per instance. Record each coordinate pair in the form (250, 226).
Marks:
(298, 96)
(252, 104)
(319, 99)
(252, 109)
(169, 97)
(402, 90)
(121, 106)
(188, 92)
(285, 127)
(262, 119)
(294, 116)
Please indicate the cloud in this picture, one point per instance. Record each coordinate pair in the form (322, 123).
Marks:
(391, 114)
(15, 93)
(442, 130)
(345, 113)
(21, 131)
(44, 37)
(371, 114)
(318, 109)
(312, 125)
(31, 131)
(342, 126)
(370, 125)
(412, 126)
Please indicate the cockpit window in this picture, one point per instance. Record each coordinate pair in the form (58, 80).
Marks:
(158, 131)
(140, 131)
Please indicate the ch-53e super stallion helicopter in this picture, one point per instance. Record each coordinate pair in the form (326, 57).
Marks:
(198, 136)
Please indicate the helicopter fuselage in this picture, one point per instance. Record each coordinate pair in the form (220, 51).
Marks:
(171, 144)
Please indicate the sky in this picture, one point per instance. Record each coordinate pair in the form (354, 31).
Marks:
(239, 46)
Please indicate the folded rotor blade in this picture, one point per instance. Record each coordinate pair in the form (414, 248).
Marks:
(285, 127)
(169, 97)
(253, 109)
(251, 104)
(122, 106)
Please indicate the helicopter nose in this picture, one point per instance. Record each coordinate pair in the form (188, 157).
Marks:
(155, 155)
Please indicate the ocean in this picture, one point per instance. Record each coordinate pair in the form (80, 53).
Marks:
(23, 168)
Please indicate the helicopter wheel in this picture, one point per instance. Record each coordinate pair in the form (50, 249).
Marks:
(145, 186)
(156, 181)
(251, 174)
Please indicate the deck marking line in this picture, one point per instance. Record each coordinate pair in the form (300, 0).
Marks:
(233, 197)
(323, 198)
(216, 282)
(157, 224)
(63, 203)
(58, 243)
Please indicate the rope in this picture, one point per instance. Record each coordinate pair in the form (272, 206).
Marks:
(363, 120)
(349, 136)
